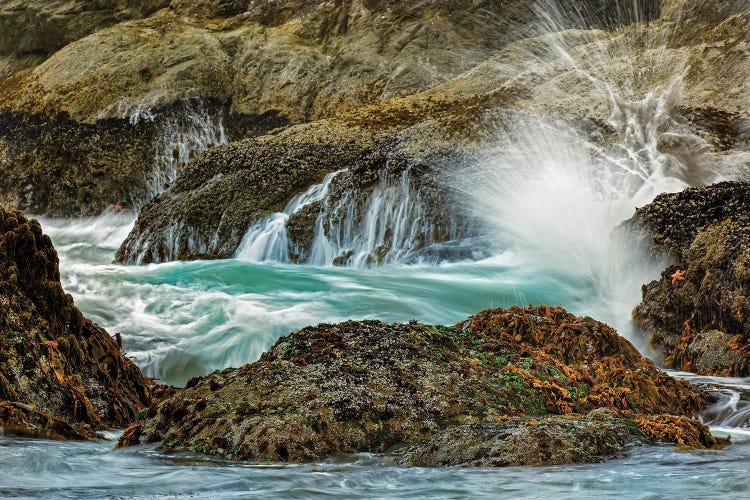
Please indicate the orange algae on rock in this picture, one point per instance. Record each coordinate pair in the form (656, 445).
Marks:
(61, 375)
(369, 386)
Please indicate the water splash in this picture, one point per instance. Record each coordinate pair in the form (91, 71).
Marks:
(394, 224)
(185, 133)
(267, 240)
(390, 222)
(556, 197)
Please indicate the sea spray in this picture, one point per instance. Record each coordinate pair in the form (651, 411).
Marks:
(555, 197)
(186, 130)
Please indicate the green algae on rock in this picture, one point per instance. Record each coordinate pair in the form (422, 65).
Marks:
(61, 375)
(370, 386)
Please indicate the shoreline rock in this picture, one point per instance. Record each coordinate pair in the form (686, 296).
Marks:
(698, 312)
(553, 440)
(369, 386)
(61, 375)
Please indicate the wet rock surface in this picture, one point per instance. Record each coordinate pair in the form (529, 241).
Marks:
(80, 116)
(552, 440)
(207, 211)
(61, 376)
(488, 382)
(469, 113)
(697, 312)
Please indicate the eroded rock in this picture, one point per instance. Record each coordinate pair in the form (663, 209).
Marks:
(61, 375)
(369, 386)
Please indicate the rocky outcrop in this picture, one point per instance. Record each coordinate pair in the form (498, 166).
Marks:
(31, 30)
(477, 109)
(370, 386)
(697, 312)
(259, 64)
(61, 375)
(255, 65)
(207, 211)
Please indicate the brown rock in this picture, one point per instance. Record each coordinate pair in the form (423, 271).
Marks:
(60, 373)
(369, 386)
(702, 323)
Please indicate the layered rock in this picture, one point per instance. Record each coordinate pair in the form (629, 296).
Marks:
(255, 65)
(61, 375)
(480, 108)
(370, 386)
(697, 312)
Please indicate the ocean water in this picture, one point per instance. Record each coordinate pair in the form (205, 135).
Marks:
(185, 319)
(547, 204)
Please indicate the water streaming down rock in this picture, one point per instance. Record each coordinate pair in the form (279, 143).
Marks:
(187, 131)
(394, 220)
(395, 223)
(268, 239)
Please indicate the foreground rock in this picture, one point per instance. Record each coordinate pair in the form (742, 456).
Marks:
(61, 376)
(370, 386)
(698, 312)
(552, 440)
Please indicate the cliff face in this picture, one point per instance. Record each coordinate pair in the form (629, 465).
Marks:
(97, 114)
(472, 112)
(60, 374)
(32, 30)
(84, 77)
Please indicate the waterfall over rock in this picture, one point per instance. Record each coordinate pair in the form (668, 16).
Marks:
(398, 218)
(183, 135)
(268, 239)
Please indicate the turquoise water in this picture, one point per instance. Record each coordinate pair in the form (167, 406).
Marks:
(183, 319)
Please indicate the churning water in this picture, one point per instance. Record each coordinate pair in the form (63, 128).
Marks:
(547, 202)
(187, 318)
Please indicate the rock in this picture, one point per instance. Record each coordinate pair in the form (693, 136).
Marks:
(41, 27)
(207, 211)
(685, 432)
(26, 420)
(370, 386)
(700, 323)
(553, 440)
(470, 113)
(61, 375)
(76, 127)
(262, 64)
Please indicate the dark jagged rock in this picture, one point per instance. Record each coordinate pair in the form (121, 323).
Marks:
(370, 386)
(700, 320)
(60, 374)
(207, 211)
